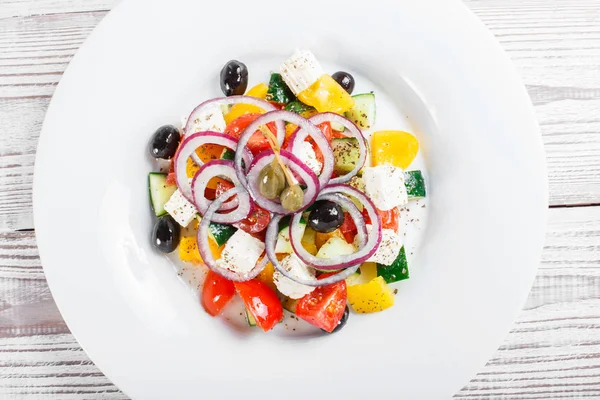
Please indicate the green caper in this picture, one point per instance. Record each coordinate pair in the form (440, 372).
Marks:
(292, 198)
(270, 181)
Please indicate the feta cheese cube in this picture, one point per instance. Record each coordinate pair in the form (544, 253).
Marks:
(180, 209)
(307, 155)
(241, 252)
(389, 248)
(300, 71)
(298, 269)
(384, 184)
(210, 119)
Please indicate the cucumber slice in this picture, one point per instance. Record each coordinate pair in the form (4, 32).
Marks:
(278, 91)
(345, 154)
(227, 154)
(334, 247)
(221, 232)
(160, 192)
(284, 244)
(415, 184)
(299, 107)
(363, 112)
(289, 304)
(397, 271)
(249, 318)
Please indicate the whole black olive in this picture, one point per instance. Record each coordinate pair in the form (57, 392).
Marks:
(165, 234)
(326, 216)
(164, 142)
(342, 322)
(345, 80)
(234, 78)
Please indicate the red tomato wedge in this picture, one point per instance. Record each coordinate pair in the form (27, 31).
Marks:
(262, 302)
(216, 293)
(324, 306)
(389, 219)
(257, 221)
(257, 142)
(348, 228)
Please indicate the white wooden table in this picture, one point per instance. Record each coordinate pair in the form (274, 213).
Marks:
(553, 350)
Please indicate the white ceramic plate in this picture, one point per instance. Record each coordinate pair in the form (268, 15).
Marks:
(148, 62)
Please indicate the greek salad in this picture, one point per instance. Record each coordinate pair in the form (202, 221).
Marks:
(287, 196)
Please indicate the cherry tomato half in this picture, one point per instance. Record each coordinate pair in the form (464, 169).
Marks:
(262, 302)
(216, 293)
(257, 221)
(389, 219)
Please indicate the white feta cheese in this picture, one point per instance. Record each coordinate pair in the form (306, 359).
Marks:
(180, 209)
(389, 248)
(307, 155)
(297, 268)
(211, 119)
(241, 252)
(384, 184)
(300, 71)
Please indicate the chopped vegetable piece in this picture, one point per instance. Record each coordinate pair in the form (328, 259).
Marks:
(363, 111)
(397, 271)
(415, 184)
(395, 148)
(327, 95)
(216, 293)
(259, 91)
(300, 108)
(278, 90)
(346, 154)
(262, 302)
(324, 306)
(370, 297)
(221, 233)
(266, 275)
(188, 250)
(160, 192)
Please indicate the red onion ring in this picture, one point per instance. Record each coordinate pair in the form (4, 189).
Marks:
(296, 166)
(339, 262)
(303, 123)
(271, 239)
(219, 101)
(204, 247)
(354, 131)
(199, 182)
(188, 148)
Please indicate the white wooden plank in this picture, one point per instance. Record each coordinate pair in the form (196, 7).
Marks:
(20, 8)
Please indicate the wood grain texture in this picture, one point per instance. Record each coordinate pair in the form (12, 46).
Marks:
(553, 351)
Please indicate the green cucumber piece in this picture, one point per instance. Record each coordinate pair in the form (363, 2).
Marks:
(299, 107)
(227, 154)
(398, 271)
(160, 192)
(221, 232)
(335, 247)
(415, 184)
(289, 304)
(284, 244)
(363, 112)
(250, 318)
(345, 154)
(278, 91)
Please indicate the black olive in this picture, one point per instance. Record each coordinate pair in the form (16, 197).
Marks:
(164, 142)
(234, 78)
(165, 234)
(326, 216)
(345, 80)
(342, 322)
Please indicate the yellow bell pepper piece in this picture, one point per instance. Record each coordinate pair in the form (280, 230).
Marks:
(188, 250)
(266, 276)
(395, 148)
(310, 247)
(327, 95)
(259, 91)
(370, 297)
